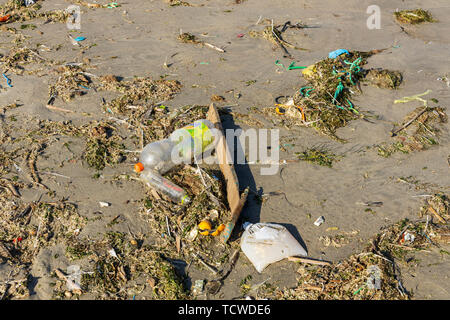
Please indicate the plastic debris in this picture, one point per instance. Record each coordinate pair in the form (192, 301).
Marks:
(198, 287)
(5, 18)
(113, 253)
(336, 53)
(29, 2)
(73, 277)
(156, 158)
(79, 39)
(292, 66)
(408, 237)
(266, 243)
(104, 204)
(319, 221)
(8, 80)
(374, 280)
(193, 234)
(309, 70)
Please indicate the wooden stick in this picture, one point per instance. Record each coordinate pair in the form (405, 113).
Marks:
(50, 107)
(430, 208)
(394, 133)
(209, 45)
(310, 261)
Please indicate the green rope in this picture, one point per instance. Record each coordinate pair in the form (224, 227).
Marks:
(306, 94)
(353, 65)
(292, 66)
(338, 91)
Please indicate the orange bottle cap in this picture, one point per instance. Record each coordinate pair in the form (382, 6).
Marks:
(138, 167)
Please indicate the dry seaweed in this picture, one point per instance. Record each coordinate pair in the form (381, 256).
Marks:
(17, 57)
(414, 16)
(325, 103)
(102, 152)
(382, 78)
(274, 35)
(72, 81)
(120, 264)
(188, 38)
(348, 279)
(420, 134)
(139, 92)
(318, 156)
(28, 227)
(103, 146)
(19, 12)
(176, 3)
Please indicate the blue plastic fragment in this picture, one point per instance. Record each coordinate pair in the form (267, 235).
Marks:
(336, 53)
(80, 38)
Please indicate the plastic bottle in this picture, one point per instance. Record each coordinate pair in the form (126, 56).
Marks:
(157, 157)
(165, 186)
(196, 138)
(266, 243)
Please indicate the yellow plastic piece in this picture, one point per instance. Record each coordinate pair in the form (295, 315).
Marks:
(204, 227)
(309, 71)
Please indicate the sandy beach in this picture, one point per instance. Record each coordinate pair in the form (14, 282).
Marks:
(139, 39)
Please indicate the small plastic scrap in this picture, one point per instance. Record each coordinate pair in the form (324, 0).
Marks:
(73, 277)
(80, 38)
(336, 53)
(198, 287)
(374, 280)
(319, 221)
(408, 237)
(104, 204)
(5, 18)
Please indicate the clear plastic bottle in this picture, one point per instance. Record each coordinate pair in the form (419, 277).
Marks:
(181, 146)
(165, 186)
(187, 142)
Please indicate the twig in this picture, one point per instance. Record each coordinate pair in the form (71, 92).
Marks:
(50, 107)
(394, 133)
(430, 208)
(210, 268)
(213, 47)
(310, 261)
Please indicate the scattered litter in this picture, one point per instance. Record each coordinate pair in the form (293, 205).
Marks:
(5, 18)
(79, 39)
(104, 204)
(156, 157)
(324, 103)
(193, 234)
(319, 221)
(336, 53)
(407, 237)
(292, 66)
(74, 277)
(374, 279)
(8, 80)
(74, 42)
(266, 243)
(198, 287)
(113, 253)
